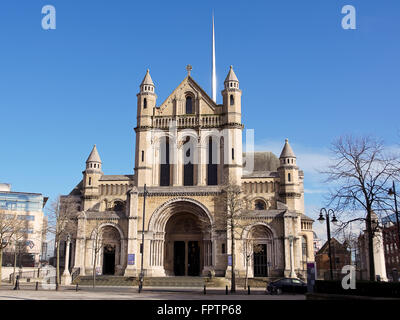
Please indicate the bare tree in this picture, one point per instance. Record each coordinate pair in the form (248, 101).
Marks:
(361, 172)
(251, 247)
(232, 203)
(10, 225)
(62, 221)
(19, 247)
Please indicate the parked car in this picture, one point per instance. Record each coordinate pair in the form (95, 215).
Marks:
(291, 285)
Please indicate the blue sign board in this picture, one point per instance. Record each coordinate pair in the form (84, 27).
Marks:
(229, 260)
(131, 259)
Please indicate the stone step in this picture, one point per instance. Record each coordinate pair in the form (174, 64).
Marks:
(171, 281)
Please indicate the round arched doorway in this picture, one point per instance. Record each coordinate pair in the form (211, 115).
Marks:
(258, 250)
(185, 226)
(184, 245)
(110, 249)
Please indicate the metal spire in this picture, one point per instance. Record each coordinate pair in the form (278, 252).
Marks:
(214, 75)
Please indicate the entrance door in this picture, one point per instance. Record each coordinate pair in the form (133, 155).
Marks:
(193, 258)
(260, 260)
(179, 258)
(109, 260)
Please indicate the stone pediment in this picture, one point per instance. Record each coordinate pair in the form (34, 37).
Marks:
(174, 104)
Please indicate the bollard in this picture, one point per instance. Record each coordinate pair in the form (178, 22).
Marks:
(248, 289)
(205, 289)
(226, 290)
(16, 283)
(76, 288)
(37, 286)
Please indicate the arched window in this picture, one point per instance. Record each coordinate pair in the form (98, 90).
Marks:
(118, 206)
(144, 103)
(188, 169)
(304, 251)
(232, 100)
(233, 154)
(142, 155)
(289, 177)
(211, 167)
(164, 166)
(189, 107)
(260, 205)
(90, 181)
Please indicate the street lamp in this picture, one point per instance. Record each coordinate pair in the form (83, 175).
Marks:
(141, 276)
(321, 219)
(392, 192)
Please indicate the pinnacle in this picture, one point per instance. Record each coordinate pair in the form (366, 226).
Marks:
(94, 155)
(287, 151)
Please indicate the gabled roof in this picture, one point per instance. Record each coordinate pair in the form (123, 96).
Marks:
(94, 155)
(197, 87)
(334, 243)
(287, 151)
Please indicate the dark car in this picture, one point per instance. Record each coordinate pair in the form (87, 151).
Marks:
(291, 285)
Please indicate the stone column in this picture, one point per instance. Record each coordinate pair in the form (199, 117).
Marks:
(292, 273)
(131, 269)
(66, 276)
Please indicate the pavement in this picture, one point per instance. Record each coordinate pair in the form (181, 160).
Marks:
(28, 292)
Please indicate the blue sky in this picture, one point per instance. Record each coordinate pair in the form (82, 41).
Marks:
(303, 77)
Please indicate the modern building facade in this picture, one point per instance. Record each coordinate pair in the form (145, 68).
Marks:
(27, 207)
(187, 148)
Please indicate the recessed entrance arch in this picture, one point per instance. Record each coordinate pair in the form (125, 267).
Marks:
(184, 244)
(110, 253)
(182, 229)
(258, 244)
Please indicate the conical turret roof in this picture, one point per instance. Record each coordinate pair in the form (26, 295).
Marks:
(94, 155)
(287, 151)
(231, 76)
(147, 79)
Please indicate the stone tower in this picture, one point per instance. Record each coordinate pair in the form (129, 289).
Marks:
(146, 102)
(291, 185)
(91, 177)
(232, 105)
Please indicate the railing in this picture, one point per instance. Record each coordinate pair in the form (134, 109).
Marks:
(75, 274)
(33, 274)
(187, 121)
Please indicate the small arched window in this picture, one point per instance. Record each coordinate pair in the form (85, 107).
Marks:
(232, 100)
(90, 181)
(119, 206)
(289, 177)
(304, 251)
(144, 103)
(189, 107)
(260, 205)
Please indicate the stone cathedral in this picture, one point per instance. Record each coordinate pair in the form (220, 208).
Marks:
(186, 148)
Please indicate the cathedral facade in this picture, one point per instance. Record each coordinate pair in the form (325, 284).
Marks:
(187, 149)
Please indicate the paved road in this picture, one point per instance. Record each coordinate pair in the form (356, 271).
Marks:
(28, 292)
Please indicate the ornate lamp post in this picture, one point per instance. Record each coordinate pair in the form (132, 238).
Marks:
(141, 276)
(321, 219)
(392, 192)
